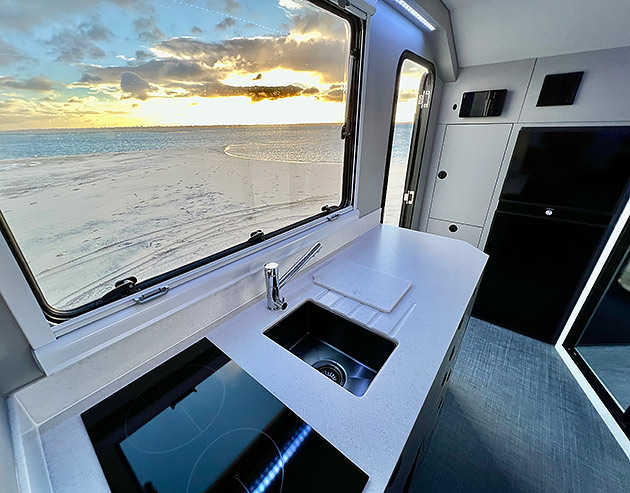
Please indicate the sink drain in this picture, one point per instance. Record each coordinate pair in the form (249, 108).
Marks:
(332, 370)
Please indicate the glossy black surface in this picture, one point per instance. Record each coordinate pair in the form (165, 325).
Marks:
(199, 423)
(314, 334)
(576, 168)
(559, 89)
(482, 103)
(562, 189)
(534, 269)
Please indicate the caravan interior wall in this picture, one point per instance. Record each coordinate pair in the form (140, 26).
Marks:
(390, 34)
(475, 152)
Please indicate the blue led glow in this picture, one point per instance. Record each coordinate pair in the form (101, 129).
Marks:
(265, 479)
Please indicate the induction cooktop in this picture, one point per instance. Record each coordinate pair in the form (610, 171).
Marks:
(199, 423)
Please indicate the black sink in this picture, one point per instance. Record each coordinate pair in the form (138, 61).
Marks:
(343, 351)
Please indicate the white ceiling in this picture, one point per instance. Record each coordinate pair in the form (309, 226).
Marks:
(489, 31)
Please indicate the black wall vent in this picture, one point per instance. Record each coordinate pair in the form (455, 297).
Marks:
(559, 89)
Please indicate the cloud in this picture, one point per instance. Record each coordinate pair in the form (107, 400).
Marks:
(134, 85)
(147, 29)
(79, 43)
(142, 56)
(187, 66)
(318, 23)
(226, 23)
(9, 54)
(196, 30)
(408, 95)
(231, 6)
(23, 15)
(336, 95)
(89, 78)
(255, 93)
(31, 84)
(261, 54)
(290, 4)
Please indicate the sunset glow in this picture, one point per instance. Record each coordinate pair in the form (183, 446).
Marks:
(121, 63)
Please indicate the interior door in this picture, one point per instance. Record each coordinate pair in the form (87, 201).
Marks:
(410, 115)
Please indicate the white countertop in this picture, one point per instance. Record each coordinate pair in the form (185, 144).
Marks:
(370, 430)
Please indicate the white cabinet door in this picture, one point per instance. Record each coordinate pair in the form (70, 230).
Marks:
(469, 234)
(468, 171)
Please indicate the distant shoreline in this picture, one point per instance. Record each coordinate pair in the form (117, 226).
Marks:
(166, 127)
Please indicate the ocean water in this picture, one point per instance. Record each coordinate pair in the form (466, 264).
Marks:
(289, 143)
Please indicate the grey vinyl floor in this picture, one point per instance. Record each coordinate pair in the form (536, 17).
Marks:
(612, 365)
(515, 420)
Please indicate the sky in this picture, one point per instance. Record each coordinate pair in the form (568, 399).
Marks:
(119, 63)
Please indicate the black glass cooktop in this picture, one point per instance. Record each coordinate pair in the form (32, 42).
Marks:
(199, 423)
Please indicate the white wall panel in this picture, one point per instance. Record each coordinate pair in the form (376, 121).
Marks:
(506, 30)
(513, 76)
(390, 35)
(603, 93)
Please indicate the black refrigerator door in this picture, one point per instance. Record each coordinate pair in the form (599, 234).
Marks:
(574, 168)
(535, 266)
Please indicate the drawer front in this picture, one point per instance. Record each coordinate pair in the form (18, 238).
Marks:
(465, 232)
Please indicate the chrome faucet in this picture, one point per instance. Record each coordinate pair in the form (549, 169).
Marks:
(273, 282)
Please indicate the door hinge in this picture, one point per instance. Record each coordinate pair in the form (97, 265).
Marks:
(346, 131)
(424, 99)
(408, 197)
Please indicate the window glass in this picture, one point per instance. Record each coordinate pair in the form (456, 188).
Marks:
(410, 80)
(137, 136)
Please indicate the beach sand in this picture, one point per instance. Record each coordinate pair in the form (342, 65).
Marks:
(84, 222)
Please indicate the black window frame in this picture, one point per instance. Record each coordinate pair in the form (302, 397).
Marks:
(418, 136)
(618, 253)
(348, 132)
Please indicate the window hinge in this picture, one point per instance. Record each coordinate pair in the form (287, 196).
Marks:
(408, 197)
(256, 237)
(424, 98)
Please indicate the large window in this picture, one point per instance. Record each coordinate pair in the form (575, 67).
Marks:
(139, 138)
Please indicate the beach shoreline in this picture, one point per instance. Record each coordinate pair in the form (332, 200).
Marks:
(86, 221)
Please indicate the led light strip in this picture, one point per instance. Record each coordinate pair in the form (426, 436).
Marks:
(274, 469)
(416, 15)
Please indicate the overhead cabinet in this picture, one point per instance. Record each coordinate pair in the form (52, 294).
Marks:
(467, 172)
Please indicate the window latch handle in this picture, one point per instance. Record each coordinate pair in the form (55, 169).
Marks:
(143, 298)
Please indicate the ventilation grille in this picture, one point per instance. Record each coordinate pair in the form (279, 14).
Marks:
(559, 89)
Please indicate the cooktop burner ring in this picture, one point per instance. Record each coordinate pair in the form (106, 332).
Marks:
(258, 486)
(199, 430)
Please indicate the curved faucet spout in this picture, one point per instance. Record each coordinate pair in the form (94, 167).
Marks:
(273, 282)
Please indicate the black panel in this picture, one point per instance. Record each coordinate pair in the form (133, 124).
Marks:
(482, 103)
(559, 89)
(578, 168)
(199, 423)
(534, 269)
